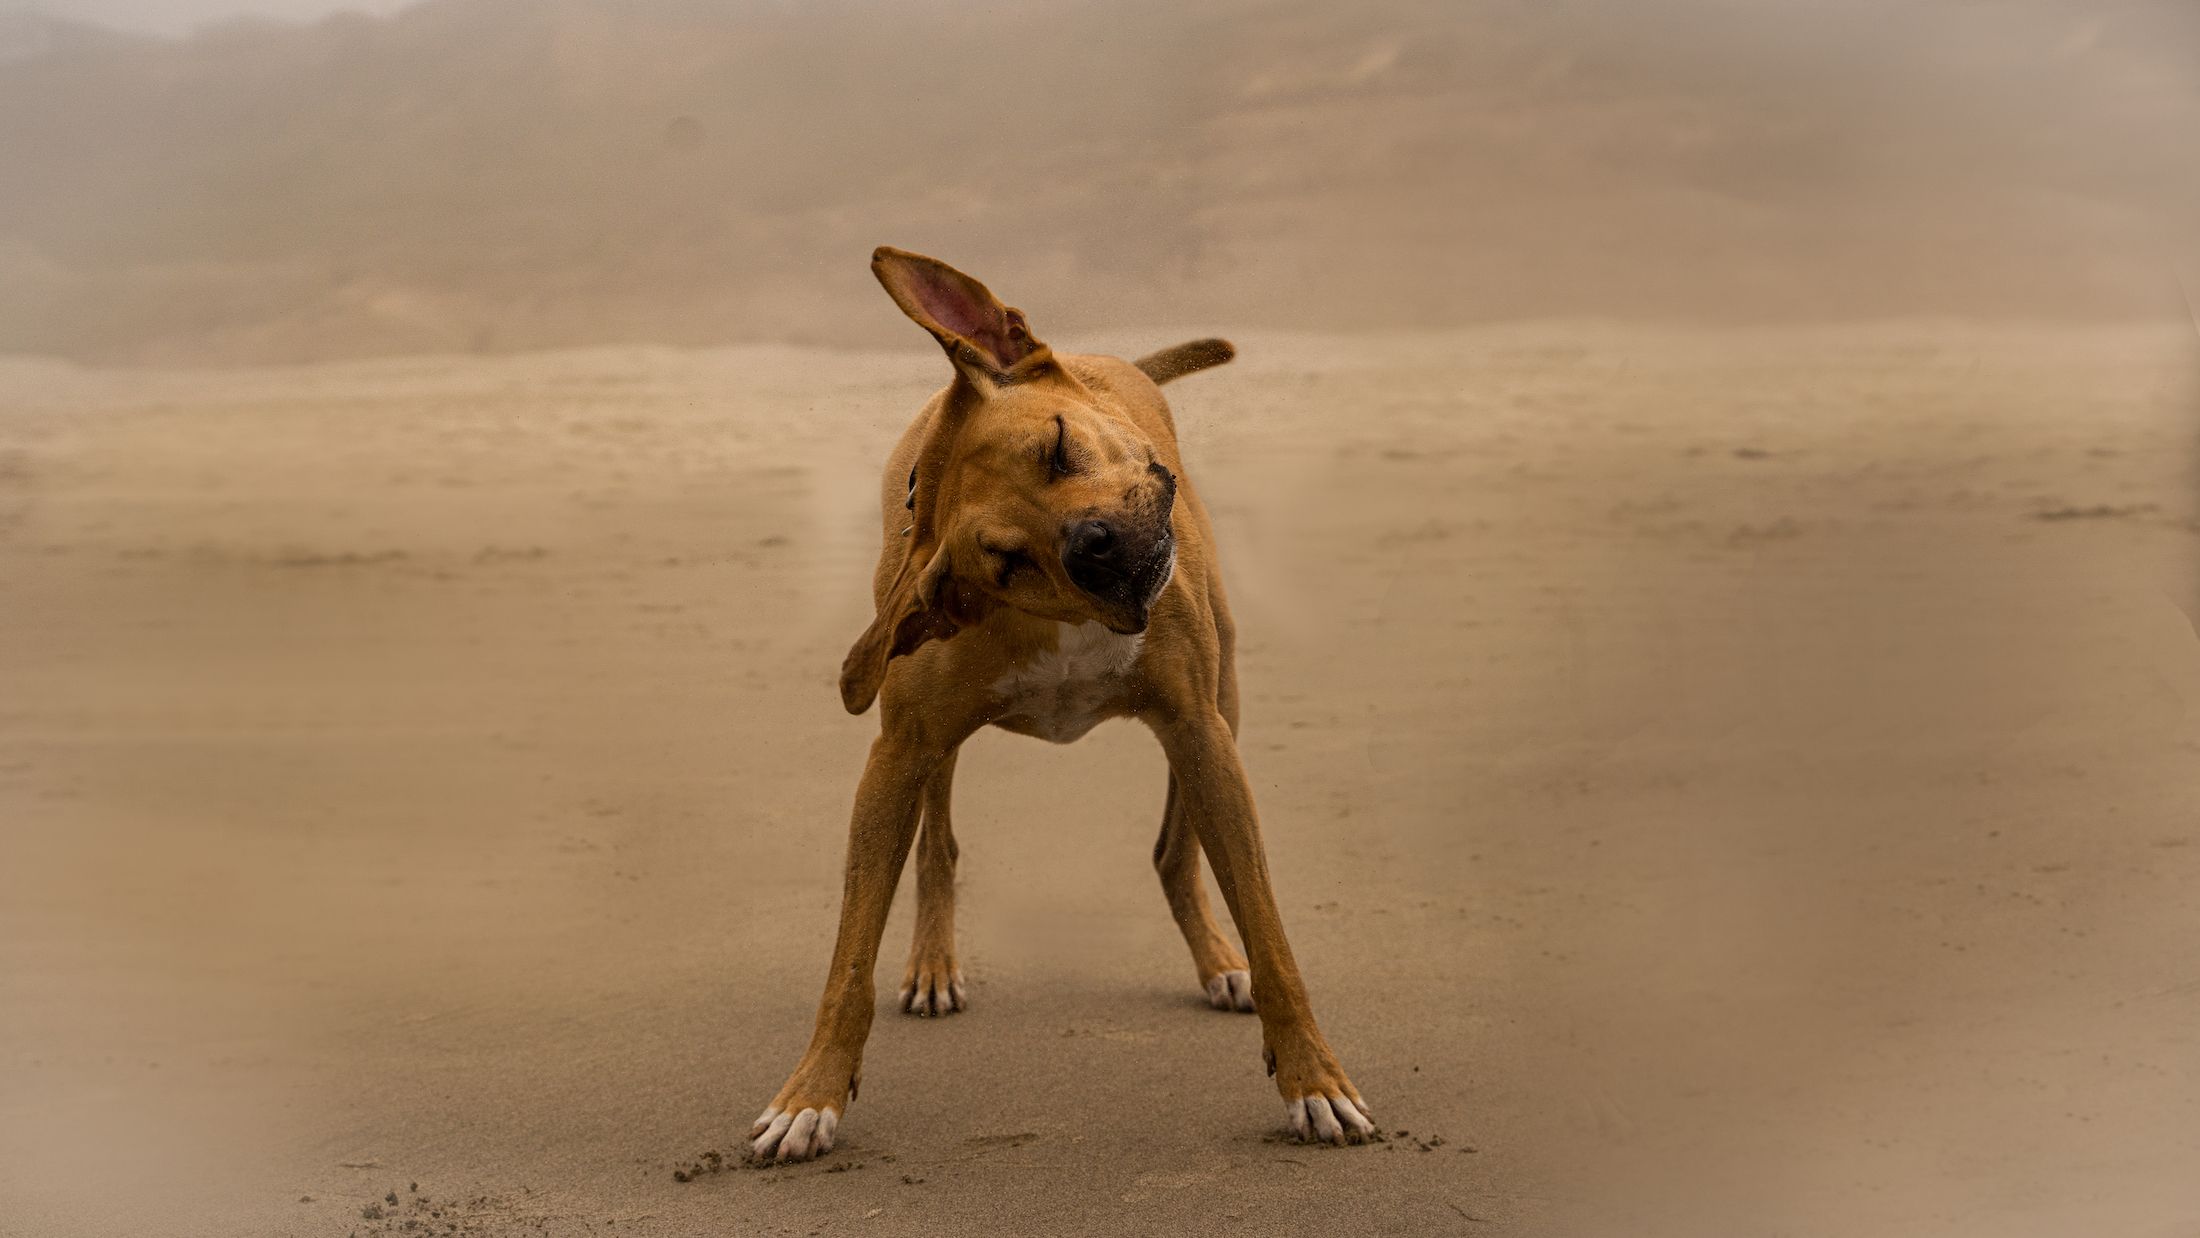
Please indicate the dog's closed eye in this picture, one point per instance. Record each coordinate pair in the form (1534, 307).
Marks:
(1059, 463)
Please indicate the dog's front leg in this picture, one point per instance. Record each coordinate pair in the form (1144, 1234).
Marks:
(800, 1121)
(1318, 1098)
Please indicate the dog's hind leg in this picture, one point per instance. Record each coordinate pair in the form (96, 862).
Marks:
(1223, 974)
(1222, 971)
(933, 984)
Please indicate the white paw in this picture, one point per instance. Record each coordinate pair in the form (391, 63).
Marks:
(1232, 990)
(794, 1136)
(931, 993)
(1328, 1119)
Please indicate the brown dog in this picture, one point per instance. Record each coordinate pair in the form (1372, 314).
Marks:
(1046, 567)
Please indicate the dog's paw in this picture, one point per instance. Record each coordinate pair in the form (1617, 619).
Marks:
(801, 1121)
(793, 1136)
(1329, 1119)
(934, 986)
(1231, 990)
(1319, 1101)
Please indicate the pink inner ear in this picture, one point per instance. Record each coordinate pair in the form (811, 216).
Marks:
(960, 307)
(964, 308)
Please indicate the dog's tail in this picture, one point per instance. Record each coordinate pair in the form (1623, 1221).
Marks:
(1185, 359)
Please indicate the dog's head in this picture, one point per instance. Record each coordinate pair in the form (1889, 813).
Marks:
(1028, 492)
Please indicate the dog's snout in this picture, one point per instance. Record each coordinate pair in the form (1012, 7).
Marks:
(1122, 565)
(1093, 543)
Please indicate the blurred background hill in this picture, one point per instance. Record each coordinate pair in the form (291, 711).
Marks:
(492, 175)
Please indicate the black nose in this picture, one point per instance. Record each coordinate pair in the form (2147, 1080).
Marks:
(1093, 543)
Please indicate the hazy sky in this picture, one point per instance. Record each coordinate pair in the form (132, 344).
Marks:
(181, 16)
(497, 175)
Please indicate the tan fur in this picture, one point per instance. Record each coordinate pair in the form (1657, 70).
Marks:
(951, 627)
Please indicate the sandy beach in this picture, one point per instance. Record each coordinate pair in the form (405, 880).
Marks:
(1719, 782)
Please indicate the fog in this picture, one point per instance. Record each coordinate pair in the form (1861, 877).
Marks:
(180, 17)
(1706, 491)
(490, 175)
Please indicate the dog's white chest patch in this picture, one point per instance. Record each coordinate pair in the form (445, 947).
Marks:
(1060, 694)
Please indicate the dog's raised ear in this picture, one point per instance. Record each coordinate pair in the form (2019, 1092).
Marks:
(926, 602)
(987, 341)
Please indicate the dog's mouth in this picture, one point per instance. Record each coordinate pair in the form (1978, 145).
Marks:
(1128, 593)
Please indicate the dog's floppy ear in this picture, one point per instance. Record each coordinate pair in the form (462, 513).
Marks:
(987, 341)
(925, 602)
